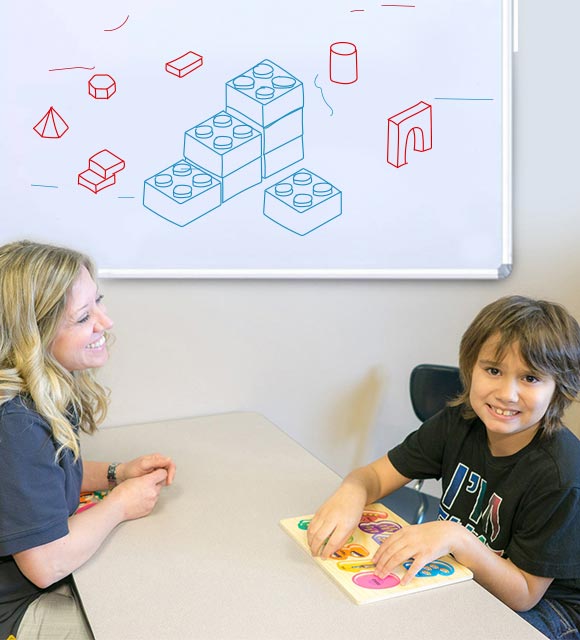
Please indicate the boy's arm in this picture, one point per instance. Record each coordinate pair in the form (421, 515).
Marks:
(340, 514)
(426, 542)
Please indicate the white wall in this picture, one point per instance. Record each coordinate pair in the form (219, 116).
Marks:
(329, 361)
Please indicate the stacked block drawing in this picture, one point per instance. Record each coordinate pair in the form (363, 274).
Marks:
(271, 100)
(259, 133)
(102, 171)
(229, 149)
(302, 202)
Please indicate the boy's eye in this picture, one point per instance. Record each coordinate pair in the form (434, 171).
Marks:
(531, 379)
(493, 371)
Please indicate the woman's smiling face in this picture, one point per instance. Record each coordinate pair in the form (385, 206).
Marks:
(80, 342)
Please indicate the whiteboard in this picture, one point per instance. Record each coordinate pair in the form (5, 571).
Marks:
(308, 139)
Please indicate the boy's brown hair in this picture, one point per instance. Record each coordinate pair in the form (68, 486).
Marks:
(548, 338)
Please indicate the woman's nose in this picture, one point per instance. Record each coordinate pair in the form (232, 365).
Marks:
(103, 322)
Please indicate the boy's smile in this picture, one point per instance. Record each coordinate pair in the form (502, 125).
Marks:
(509, 397)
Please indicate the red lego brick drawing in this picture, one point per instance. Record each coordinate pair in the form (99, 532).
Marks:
(343, 65)
(51, 125)
(106, 164)
(102, 171)
(102, 86)
(416, 120)
(185, 64)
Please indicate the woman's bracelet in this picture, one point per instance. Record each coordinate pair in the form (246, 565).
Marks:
(112, 474)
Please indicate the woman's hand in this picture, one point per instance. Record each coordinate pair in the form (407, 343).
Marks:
(144, 465)
(137, 496)
(422, 543)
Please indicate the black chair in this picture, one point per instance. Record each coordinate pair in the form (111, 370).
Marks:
(431, 386)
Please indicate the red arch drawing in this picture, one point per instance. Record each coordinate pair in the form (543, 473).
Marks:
(417, 120)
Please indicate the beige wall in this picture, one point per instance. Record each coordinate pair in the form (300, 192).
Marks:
(329, 361)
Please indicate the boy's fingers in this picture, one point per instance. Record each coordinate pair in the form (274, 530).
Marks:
(319, 541)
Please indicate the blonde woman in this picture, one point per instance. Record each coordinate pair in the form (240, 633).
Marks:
(53, 335)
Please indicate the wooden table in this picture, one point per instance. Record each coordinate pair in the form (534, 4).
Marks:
(211, 561)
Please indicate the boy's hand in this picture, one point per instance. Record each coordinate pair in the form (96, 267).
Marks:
(422, 543)
(334, 522)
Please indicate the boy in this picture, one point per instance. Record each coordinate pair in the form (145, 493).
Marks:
(510, 470)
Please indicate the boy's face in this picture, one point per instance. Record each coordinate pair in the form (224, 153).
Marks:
(508, 397)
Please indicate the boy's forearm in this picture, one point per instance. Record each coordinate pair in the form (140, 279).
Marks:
(363, 482)
(379, 479)
(374, 481)
(517, 589)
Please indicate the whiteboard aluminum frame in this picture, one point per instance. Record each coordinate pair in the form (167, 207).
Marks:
(61, 217)
(509, 41)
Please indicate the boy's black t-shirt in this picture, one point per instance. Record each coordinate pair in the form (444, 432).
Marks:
(37, 496)
(525, 507)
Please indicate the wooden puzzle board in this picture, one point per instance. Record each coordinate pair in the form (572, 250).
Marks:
(353, 569)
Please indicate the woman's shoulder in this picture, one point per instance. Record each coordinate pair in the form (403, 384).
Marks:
(19, 405)
(19, 414)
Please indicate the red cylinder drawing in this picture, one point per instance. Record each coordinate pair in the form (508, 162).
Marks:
(343, 63)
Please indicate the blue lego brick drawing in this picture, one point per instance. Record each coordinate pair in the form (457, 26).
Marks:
(282, 131)
(287, 128)
(302, 202)
(277, 152)
(242, 179)
(282, 157)
(181, 193)
(222, 144)
(237, 181)
(265, 93)
(259, 133)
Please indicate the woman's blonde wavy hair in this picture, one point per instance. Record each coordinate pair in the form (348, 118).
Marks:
(34, 282)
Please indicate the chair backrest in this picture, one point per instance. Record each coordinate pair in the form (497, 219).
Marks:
(431, 387)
